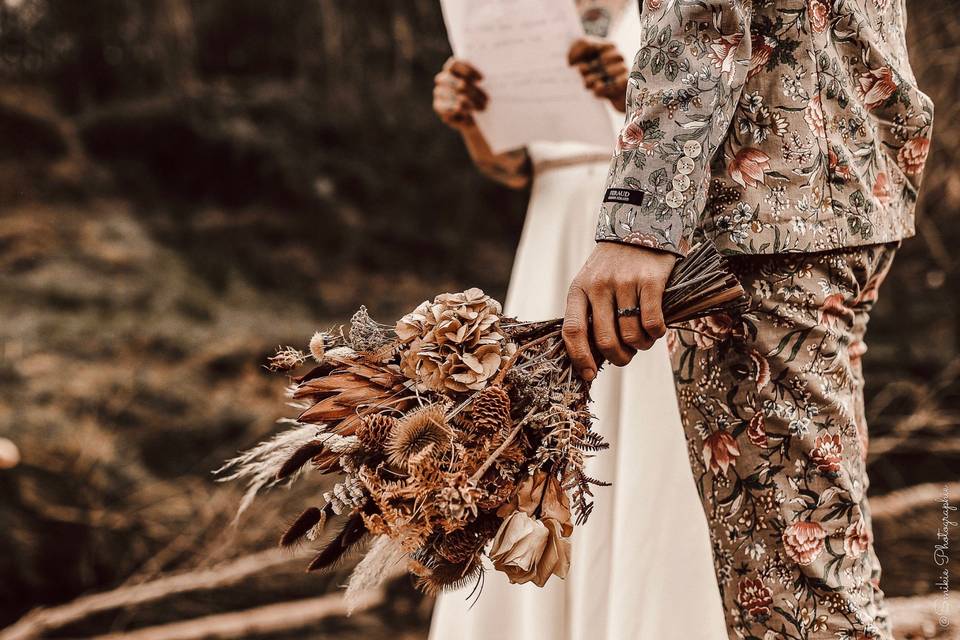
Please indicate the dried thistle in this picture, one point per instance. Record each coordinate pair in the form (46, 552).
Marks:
(415, 431)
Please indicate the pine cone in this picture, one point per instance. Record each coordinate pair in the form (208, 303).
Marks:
(490, 412)
(374, 430)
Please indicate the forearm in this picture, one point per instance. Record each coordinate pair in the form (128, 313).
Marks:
(684, 86)
(512, 168)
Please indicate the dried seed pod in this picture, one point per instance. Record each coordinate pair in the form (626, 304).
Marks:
(490, 412)
(374, 430)
(318, 346)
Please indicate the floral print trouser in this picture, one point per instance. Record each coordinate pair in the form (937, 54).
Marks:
(772, 406)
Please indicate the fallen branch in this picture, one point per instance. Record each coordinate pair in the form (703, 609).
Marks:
(272, 618)
(39, 621)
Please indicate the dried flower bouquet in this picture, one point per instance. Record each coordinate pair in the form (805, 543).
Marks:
(457, 433)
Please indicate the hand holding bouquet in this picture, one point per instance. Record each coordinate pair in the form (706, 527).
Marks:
(456, 434)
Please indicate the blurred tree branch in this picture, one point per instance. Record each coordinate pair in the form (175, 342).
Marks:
(284, 616)
(40, 621)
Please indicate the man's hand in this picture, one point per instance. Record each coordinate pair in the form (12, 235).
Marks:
(615, 276)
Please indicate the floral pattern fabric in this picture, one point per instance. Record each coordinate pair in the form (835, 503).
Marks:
(768, 127)
(772, 406)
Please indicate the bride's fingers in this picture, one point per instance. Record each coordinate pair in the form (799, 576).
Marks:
(606, 335)
(631, 333)
(463, 69)
(587, 47)
(449, 83)
(450, 103)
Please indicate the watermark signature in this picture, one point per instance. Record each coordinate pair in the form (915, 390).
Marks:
(941, 555)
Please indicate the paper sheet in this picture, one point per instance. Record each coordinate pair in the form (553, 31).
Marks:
(520, 47)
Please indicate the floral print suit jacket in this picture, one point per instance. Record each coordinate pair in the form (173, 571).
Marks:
(772, 126)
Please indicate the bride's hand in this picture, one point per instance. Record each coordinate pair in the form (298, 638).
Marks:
(602, 67)
(456, 95)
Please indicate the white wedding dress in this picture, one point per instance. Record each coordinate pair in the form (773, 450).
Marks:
(641, 567)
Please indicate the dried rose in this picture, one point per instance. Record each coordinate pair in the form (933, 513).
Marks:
(542, 491)
(528, 550)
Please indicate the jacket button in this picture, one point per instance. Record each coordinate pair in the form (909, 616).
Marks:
(692, 149)
(685, 165)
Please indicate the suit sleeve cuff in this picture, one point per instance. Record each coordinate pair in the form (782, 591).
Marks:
(643, 219)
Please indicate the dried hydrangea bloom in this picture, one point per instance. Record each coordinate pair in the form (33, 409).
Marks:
(453, 343)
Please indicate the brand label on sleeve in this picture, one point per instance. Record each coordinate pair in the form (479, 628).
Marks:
(627, 196)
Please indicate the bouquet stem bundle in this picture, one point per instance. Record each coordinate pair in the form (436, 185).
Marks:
(456, 435)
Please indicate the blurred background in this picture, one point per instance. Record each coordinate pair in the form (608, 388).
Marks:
(186, 184)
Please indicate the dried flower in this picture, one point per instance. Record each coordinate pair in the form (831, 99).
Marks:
(285, 358)
(456, 431)
(454, 343)
(530, 550)
(415, 431)
(317, 346)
